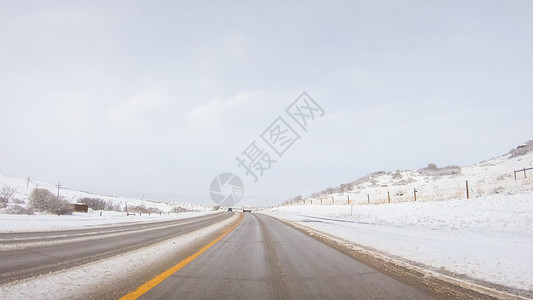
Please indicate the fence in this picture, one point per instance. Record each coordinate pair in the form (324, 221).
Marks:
(442, 189)
(523, 170)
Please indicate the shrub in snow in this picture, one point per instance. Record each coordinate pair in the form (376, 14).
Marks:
(433, 170)
(43, 200)
(522, 149)
(298, 198)
(432, 167)
(450, 170)
(144, 210)
(397, 175)
(18, 201)
(93, 203)
(315, 195)
(99, 204)
(17, 210)
(179, 209)
(345, 187)
(404, 181)
(498, 190)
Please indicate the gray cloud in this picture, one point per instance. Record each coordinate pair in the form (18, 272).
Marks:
(138, 98)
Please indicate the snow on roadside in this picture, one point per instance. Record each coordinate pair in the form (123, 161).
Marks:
(24, 223)
(488, 238)
(84, 280)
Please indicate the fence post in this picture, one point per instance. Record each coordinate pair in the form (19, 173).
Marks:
(349, 200)
(414, 192)
(368, 195)
(467, 191)
(388, 195)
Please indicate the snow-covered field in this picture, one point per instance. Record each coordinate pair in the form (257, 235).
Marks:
(488, 238)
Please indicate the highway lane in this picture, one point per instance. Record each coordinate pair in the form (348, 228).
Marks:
(22, 237)
(266, 259)
(61, 250)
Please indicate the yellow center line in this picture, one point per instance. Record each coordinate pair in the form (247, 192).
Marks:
(159, 278)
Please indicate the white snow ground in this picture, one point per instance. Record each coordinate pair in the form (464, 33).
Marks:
(488, 238)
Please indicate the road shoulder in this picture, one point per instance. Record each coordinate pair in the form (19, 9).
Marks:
(437, 284)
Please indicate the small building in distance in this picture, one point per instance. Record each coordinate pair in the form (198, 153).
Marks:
(80, 207)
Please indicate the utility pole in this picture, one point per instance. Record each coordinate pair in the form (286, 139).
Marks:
(28, 182)
(58, 186)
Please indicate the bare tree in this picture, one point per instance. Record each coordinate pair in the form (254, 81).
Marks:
(44, 200)
(297, 199)
(6, 193)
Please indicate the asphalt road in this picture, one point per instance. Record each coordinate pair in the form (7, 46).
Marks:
(266, 259)
(42, 252)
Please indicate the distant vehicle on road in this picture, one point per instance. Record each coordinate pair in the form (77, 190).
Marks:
(247, 208)
(230, 209)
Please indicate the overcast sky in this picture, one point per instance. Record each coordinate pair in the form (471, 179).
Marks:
(156, 98)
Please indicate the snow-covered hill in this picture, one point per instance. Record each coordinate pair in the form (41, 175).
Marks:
(23, 188)
(494, 176)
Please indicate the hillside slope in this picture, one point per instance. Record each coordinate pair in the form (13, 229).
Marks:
(23, 188)
(494, 176)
